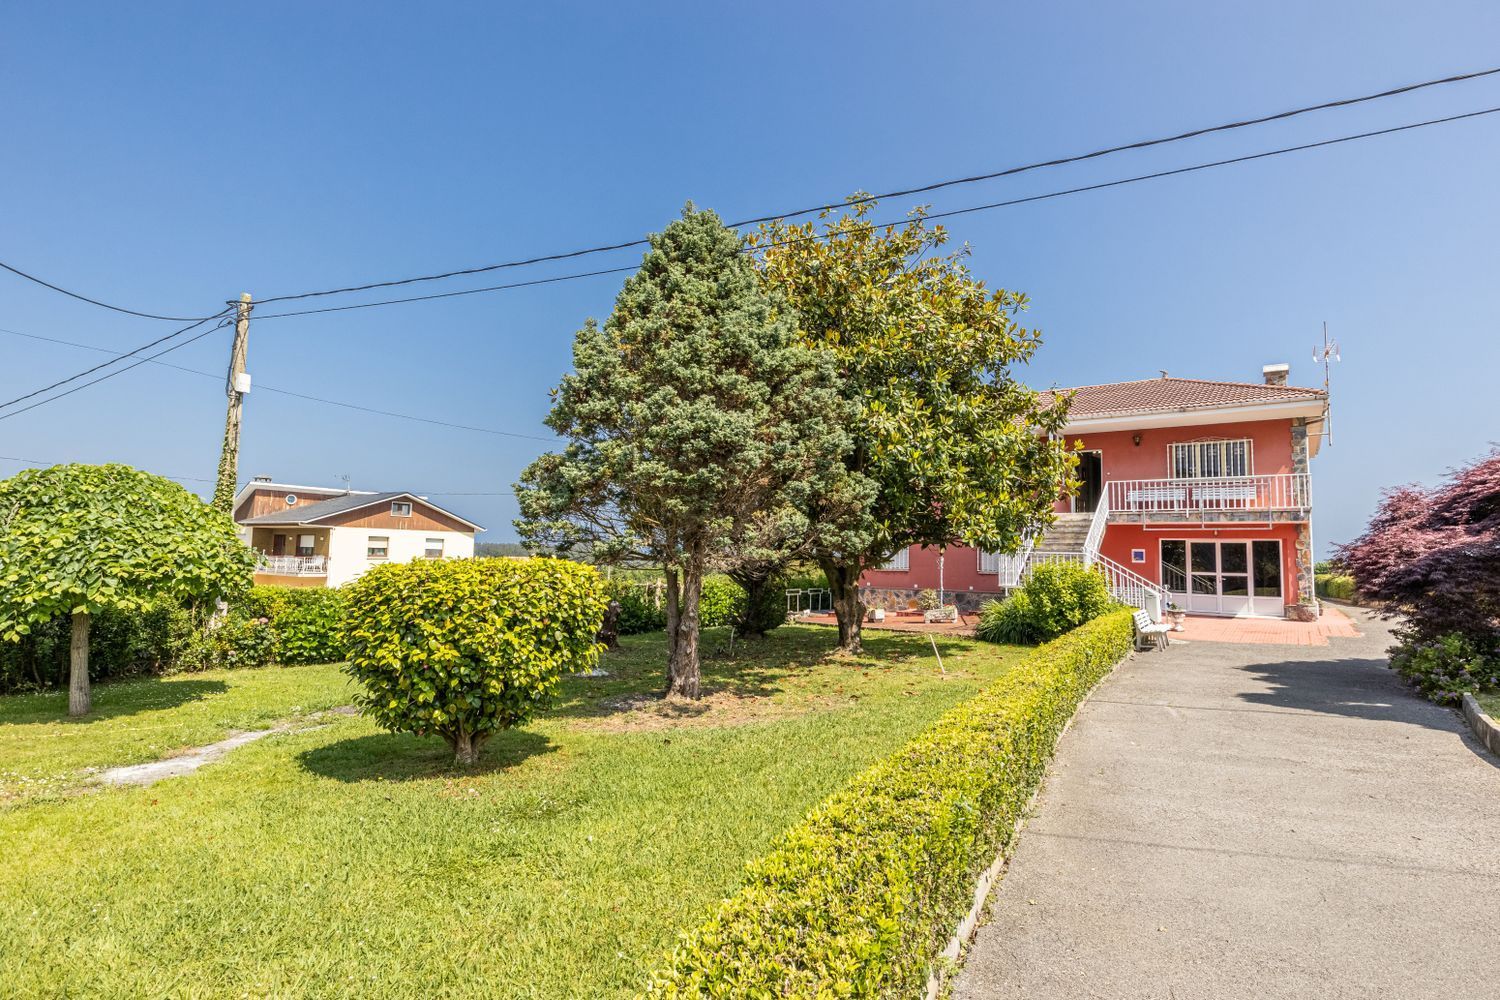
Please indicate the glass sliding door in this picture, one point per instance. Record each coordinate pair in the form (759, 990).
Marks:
(1269, 598)
(1223, 578)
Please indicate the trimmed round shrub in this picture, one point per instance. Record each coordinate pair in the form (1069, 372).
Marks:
(1056, 598)
(465, 648)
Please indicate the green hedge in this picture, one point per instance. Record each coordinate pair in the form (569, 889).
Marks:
(722, 603)
(1334, 586)
(859, 899)
(289, 625)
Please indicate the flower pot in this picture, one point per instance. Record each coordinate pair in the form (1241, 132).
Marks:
(1176, 619)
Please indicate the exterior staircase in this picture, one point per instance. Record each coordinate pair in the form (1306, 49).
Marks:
(1069, 533)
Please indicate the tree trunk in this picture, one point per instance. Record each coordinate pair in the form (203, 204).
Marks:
(78, 661)
(683, 677)
(673, 616)
(466, 746)
(843, 580)
(754, 583)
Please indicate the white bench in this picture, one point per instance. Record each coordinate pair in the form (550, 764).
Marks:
(1145, 628)
(1155, 496)
(1226, 494)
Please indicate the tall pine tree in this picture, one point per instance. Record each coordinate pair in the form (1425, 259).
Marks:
(695, 418)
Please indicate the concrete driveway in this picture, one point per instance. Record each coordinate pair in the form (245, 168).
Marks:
(1254, 821)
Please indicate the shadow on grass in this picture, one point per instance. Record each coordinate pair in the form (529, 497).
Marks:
(403, 757)
(111, 699)
(752, 668)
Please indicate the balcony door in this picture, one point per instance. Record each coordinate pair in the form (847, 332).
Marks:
(1090, 482)
(1224, 578)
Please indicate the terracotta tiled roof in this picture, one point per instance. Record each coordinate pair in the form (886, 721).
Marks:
(1172, 394)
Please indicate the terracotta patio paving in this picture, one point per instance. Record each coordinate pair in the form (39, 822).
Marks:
(1279, 631)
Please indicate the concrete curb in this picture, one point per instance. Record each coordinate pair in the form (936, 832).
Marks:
(951, 956)
(1486, 729)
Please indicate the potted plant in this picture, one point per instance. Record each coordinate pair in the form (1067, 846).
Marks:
(1175, 616)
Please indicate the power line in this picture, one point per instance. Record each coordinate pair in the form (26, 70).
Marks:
(106, 364)
(921, 189)
(119, 371)
(287, 392)
(1136, 179)
(96, 302)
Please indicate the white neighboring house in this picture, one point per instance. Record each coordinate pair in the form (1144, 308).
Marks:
(316, 536)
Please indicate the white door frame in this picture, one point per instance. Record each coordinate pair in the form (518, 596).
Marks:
(1219, 603)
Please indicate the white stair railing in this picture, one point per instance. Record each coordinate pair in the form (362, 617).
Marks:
(1096, 529)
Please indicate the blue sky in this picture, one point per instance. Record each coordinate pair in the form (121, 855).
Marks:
(168, 157)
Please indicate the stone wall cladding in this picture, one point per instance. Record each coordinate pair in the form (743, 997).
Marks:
(901, 598)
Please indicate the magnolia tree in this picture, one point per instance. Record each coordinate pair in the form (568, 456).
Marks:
(700, 430)
(76, 539)
(1433, 556)
(957, 449)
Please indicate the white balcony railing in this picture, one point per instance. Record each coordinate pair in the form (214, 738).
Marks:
(294, 565)
(1286, 491)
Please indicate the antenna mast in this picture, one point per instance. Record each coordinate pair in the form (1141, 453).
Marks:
(1327, 354)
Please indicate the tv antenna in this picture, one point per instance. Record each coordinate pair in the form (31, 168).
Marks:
(345, 479)
(1327, 355)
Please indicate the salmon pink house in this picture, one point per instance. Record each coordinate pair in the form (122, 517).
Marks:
(1191, 491)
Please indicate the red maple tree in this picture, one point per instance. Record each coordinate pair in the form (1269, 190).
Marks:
(1433, 556)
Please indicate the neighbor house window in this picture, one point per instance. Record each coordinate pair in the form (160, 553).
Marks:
(900, 562)
(1210, 459)
(304, 545)
(433, 549)
(378, 547)
(400, 508)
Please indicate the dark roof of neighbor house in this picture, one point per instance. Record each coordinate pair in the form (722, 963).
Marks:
(312, 512)
(1171, 394)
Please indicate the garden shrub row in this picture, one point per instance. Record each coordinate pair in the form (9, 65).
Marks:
(722, 603)
(1334, 586)
(290, 625)
(859, 899)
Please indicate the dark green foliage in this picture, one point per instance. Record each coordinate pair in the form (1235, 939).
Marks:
(465, 648)
(762, 609)
(1056, 597)
(1445, 667)
(698, 428)
(721, 602)
(640, 606)
(288, 625)
(857, 900)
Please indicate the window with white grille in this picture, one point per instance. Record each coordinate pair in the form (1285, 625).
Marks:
(899, 563)
(989, 562)
(1210, 459)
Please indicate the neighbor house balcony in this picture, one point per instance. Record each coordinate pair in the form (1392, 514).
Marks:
(270, 565)
(1286, 497)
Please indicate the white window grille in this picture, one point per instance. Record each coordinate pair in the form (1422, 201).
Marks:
(899, 563)
(1210, 459)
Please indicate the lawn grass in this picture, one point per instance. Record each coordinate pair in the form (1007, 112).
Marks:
(43, 753)
(344, 861)
(1490, 702)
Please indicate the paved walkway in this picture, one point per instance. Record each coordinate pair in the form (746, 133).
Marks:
(1254, 821)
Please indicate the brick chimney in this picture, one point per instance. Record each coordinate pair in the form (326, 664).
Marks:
(1276, 374)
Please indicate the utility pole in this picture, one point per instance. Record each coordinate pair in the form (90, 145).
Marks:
(235, 387)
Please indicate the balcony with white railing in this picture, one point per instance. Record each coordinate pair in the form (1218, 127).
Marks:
(292, 565)
(1225, 498)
